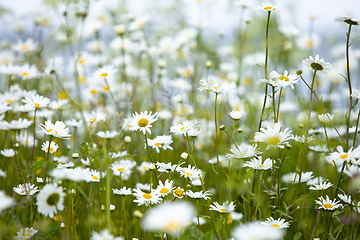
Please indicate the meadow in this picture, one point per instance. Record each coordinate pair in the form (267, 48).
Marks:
(120, 125)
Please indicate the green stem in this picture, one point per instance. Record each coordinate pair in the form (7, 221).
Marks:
(350, 88)
(278, 108)
(151, 159)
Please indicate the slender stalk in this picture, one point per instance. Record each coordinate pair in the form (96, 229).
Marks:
(47, 161)
(111, 94)
(274, 104)
(356, 129)
(266, 64)
(151, 159)
(278, 108)
(350, 88)
(216, 132)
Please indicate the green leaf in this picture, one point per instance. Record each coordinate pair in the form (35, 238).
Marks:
(297, 236)
(302, 197)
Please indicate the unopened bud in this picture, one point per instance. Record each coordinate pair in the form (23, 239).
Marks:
(152, 166)
(68, 147)
(138, 214)
(222, 127)
(208, 64)
(299, 72)
(301, 125)
(239, 130)
(288, 146)
(127, 139)
(17, 145)
(184, 155)
(75, 155)
(161, 63)
(120, 29)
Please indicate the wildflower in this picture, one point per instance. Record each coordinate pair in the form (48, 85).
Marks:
(20, 123)
(95, 175)
(184, 128)
(235, 115)
(284, 80)
(122, 191)
(26, 189)
(28, 45)
(171, 218)
(273, 136)
(161, 142)
(179, 192)
(8, 152)
(226, 207)
(4, 107)
(5, 201)
(77, 174)
(316, 64)
(305, 176)
(321, 186)
(50, 199)
(243, 151)
(107, 71)
(328, 204)
(94, 117)
(257, 164)
(267, 7)
(308, 41)
(256, 230)
(146, 198)
(215, 85)
(104, 235)
(59, 129)
(325, 119)
(25, 233)
(144, 166)
(346, 198)
(107, 134)
(276, 224)
(123, 168)
(351, 171)
(347, 20)
(28, 72)
(58, 104)
(340, 156)
(36, 101)
(142, 121)
(165, 167)
(165, 188)
(190, 172)
(49, 147)
(200, 194)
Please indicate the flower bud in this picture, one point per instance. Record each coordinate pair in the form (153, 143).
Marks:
(208, 64)
(222, 127)
(138, 214)
(184, 155)
(127, 139)
(75, 155)
(288, 146)
(239, 130)
(299, 72)
(120, 29)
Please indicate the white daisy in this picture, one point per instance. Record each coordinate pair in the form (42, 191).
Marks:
(160, 142)
(205, 195)
(142, 121)
(179, 192)
(321, 186)
(144, 198)
(25, 233)
(59, 129)
(49, 147)
(165, 188)
(216, 85)
(226, 207)
(104, 235)
(5, 201)
(243, 151)
(122, 191)
(274, 136)
(26, 189)
(328, 204)
(107, 71)
(316, 64)
(50, 200)
(184, 128)
(276, 224)
(36, 101)
(107, 134)
(267, 7)
(8, 152)
(255, 230)
(257, 164)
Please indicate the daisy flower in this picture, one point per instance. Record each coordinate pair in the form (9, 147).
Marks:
(8, 152)
(274, 136)
(166, 167)
(49, 147)
(284, 80)
(316, 64)
(235, 115)
(26, 189)
(226, 207)
(321, 186)
(325, 119)
(36, 101)
(190, 172)
(171, 218)
(205, 195)
(216, 85)
(20, 123)
(346, 198)
(179, 192)
(347, 20)
(107, 71)
(5, 201)
(267, 7)
(276, 224)
(165, 188)
(25, 233)
(328, 204)
(95, 175)
(142, 121)
(59, 129)
(50, 199)
(123, 168)
(104, 235)
(160, 142)
(146, 198)
(28, 45)
(28, 72)
(94, 117)
(185, 127)
(4, 107)
(144, 166)
(257, 164)
(340, 156)
(243, 151)
(107, 134)
(122, 191)
(256, 230)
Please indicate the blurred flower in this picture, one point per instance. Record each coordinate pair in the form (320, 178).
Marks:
(104, 235)
(243, 151)
(25, 233)
(107, 71)
(226, 207)
(257, 164)
(328, 204)
(347, 20)
(122, 191)
(36, 101)
(255, 230)
(107, 134)
(27, 46)
(317, 64)
(26, 189)
(8, 152)
(321, 186)
(171, 218)
(276, 224)
(5, 201)
(216, 85)
(49, 147)
(59, 129)
(325, 119)
(274, 136)
(161, 142)
(50, 200)
(235, 115)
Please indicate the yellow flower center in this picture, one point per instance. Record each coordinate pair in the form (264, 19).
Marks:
(8, 101)
(62, 95)
(164, 190)
(216, 88)
(25, 47)
(344, 156)
(95, 178)
(222, 209)
(50, 149)
(9, 155)
(37, 105)
(273, 140)
(93, 119)
(104, 75)
(81, 61)
(178, 192)
(121, 169)
(140, 25)
(274, 225)
(284, 78)
(188, 174)
(143, 122)
(147, 195)
(159, 144)
(22, 192)
(25, 74)
(328, 205)
(182, 128)
(309, 44)
(172, 226)
(106, 88)
(247, 81)
(93, 92)
(262, 166)
(268, 8)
